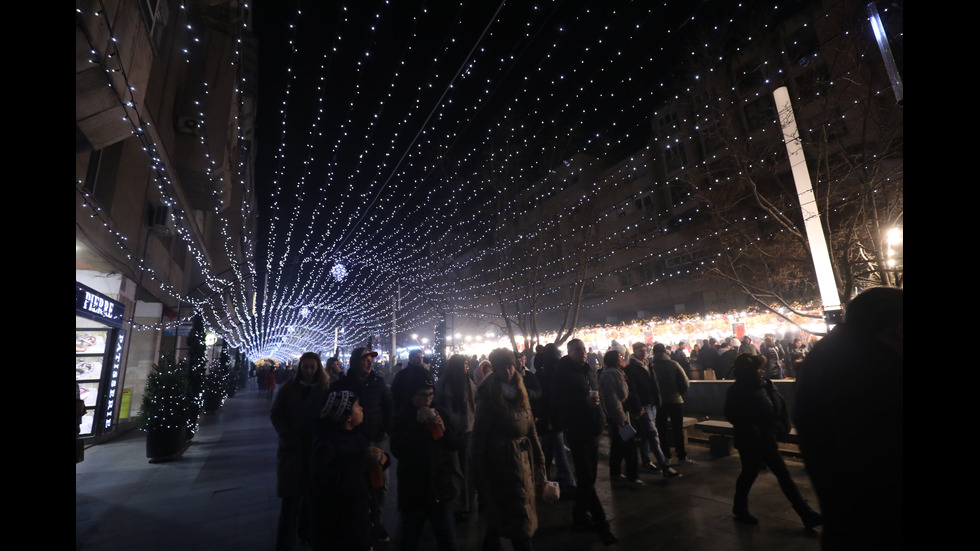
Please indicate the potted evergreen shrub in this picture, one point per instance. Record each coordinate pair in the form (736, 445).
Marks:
(232, 380)
(215, 387)
(163, 411)
(195, 366)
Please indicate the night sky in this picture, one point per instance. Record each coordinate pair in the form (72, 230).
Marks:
(388, 106)
(377, 120)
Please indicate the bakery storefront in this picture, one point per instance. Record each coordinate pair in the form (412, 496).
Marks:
(99, 340)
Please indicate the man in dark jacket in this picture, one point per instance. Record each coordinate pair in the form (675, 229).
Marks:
(708, 357)
(726, 360)
(575, 403)
(644, 389)
(425, 443)
(673, 385)
(683, 358)
(408, 377)
(851, 378)
(372, 393)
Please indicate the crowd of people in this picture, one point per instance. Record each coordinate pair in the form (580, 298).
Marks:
(487, 435)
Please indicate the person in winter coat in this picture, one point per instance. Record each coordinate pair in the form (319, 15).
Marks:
(456, 394)
(334, 371)
(644, 386)
(747, 347)
(797, 353)
(425, 443)
(552, 439)
(855, 376)
(619, 404)
(774, 358)
(673, 385)
(749, 407)
(375, 399)
(340, 476)
(577, 411)
(481, 371)
(507, 454)
(293, 414)
(270, 383)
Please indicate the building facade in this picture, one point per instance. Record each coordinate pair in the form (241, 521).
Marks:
(165, 98)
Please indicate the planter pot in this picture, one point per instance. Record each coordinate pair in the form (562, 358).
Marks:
(165, 444)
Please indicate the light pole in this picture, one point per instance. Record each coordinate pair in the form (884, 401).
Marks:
(810, 210)
(894, 242)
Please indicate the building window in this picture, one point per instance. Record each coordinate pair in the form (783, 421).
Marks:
(675, 156)
(760, 112)
(749, 78)
(156, 15)
(668, 122)
(711, 139)
(683, 259)
(92, 172)
(801, 44)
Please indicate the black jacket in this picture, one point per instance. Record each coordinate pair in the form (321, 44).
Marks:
(642, 383)
(407, 378)
(750, 411)
(428, 471)
(572, 408)
(341, 494)
(375, 401)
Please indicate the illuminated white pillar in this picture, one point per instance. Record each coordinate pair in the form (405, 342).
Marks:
(808, 203)
(886, 53)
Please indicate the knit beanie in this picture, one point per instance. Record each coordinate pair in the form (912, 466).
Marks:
(419, 382)
(338, 406)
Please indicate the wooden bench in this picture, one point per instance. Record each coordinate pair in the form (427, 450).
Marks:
(721, 436)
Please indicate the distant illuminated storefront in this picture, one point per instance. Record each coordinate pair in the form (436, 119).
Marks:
(99, 340)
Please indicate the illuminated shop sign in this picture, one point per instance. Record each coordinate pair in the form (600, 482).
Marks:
(98, 307)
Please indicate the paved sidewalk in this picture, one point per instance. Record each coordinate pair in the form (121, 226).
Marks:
(221, 495)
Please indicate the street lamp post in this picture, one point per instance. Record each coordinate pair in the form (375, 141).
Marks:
(811, 212)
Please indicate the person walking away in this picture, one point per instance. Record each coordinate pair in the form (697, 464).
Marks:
(575, 397)
(643, 385)
(507, 454)
(709, 360)
(726, 359)
(752, 406)
(852, 377)
(260, 379)
(683, 358)
(293, 414)
(673, 383)
(425, 443)
(341, 467)
(270, 383)
(552, 439)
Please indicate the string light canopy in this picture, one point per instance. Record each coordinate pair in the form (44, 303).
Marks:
(396, 138)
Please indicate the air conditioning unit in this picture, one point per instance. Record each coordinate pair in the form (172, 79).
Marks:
(160, 221)
(188, 125)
